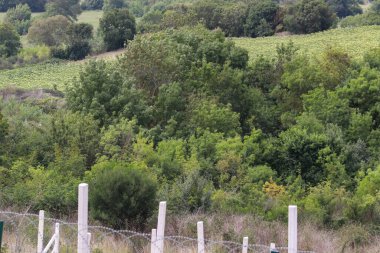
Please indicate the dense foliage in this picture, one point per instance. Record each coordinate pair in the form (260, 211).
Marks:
(19, 17)
(309, 16)
(184, 116)
(371, 17)
(92, 4)
(51, 31)
(116, 27)
(35, 5)
(251, 18)
(9, 40)
(68, 8)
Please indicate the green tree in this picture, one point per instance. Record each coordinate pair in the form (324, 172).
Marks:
(261, 18)
(344, 8)
(117, 26)
(92, 4)
(51, 31)
(19, 17)
(113, 4)
(122, 195)
(9, 41)
(207, 114)
(309, 16)
(36, 5)
(68, 8)
(101, 91)
(79, 36)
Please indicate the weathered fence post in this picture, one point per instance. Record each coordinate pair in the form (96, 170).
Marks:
(56, 241)
(153, 241)
(201, 238)
(245, 245)
(292, 229)
(83, 246)
(161, 227)
(40, 236)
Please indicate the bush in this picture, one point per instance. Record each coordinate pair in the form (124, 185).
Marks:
(9, 41)
(260, 19)
(19, 17)
(79, 41)
(309, 16)
(116, 27)
(39, 53)
(68, 8)
(51, 31)
(121, 195)
(361, 20)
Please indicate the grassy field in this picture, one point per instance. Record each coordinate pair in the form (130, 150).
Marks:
(91, 17)
(355, 41)
(48, 75)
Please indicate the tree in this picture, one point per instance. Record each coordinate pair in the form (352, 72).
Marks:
(207, 114)
(6, 4)
(92, 4)
(344, 8)
(309, 16)
(9, 41)
(113, 4)
(79, 36)
(51, 31)
(68, 8)
(101, 91)
(261, 18)
(19, 17)
(116, 27)
(133, 190)
(36, 5)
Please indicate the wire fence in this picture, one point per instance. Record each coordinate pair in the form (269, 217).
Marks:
(21, 233)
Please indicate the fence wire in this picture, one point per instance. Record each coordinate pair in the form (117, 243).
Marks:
(21, 233)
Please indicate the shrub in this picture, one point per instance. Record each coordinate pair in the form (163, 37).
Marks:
(68, 8)
(51, 31)
(19, 17)
(309, 17)
(113, 4)
(79, 41)
(38, 53)
(260, 19)
(361, 20)
(116, 27)
(9, 41)
(121, 195)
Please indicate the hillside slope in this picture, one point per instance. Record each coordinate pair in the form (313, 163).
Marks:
(355, 41)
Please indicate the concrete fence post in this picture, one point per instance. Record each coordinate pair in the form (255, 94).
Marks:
(56, 239)
(153, 241)
(161, 227)
(201, 238)
(245, 245)
(40, 236)
(292, 229)
(83, 246)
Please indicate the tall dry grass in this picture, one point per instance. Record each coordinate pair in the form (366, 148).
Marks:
(352, 238)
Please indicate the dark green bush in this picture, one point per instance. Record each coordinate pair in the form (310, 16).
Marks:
(121, 195)
(116, 27)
